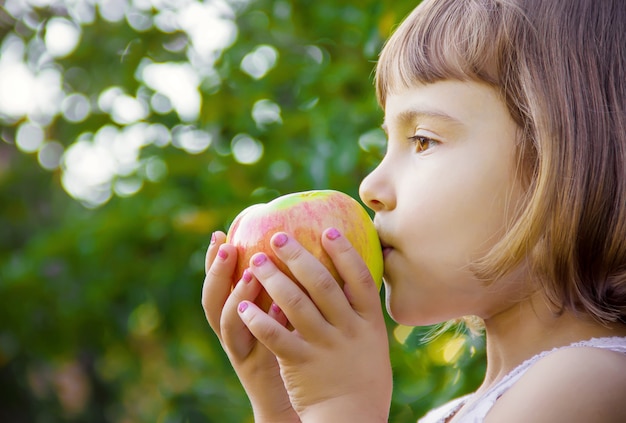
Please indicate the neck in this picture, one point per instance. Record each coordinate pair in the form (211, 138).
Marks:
(531, 327)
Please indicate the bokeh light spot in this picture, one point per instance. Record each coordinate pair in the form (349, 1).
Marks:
(75, 108)
(246, 149)
(265, 112)
(179, 83)
(259, 61)
(280, 170)
(62, 36)
(29, 137)
(50, 154)
(190, 139)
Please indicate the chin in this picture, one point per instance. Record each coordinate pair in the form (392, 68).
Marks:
(409, 315)
(407, 311)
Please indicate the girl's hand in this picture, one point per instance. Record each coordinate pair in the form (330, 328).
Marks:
(255, 366)
(335, 363)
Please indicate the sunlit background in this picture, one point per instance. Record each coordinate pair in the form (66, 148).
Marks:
(35, 89)
(131, 130)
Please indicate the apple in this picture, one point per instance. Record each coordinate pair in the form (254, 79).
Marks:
(305, 215)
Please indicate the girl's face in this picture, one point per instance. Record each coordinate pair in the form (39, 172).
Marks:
(443, 196)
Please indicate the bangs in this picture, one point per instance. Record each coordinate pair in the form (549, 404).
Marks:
(446, 39)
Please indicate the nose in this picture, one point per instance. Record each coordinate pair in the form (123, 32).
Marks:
(376, 191)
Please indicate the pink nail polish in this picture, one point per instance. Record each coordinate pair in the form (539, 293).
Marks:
(213, 238)
(333, 234)
(259, 259)
(222, 254)
(280, 240)
(275, 308)
(247, 276)
(242, 306)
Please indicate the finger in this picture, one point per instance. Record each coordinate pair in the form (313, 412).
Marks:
(218, 284)
(267, 330)
(313, 276)
(277, 314)
(361, 290)
(293, 301)
(217, 239)
(236, 337)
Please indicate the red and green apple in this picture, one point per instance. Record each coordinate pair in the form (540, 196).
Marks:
(304, 216)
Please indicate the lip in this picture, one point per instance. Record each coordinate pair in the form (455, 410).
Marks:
(384, 245)
(386, 248)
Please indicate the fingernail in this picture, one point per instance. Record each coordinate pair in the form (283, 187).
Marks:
(259, 259)
(275, 308)
(333, 234)
(280, 240)
(222, 254)
(242, 306)
(247, 276)
(213, 238)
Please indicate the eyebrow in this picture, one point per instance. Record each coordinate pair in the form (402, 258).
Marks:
(411, 115)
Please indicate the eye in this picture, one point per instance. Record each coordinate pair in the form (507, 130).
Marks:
(422, 143)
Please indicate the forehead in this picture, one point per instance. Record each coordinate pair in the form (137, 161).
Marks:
(448, 102)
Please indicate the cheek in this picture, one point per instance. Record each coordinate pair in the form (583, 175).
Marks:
(498, 198)
(460, 219)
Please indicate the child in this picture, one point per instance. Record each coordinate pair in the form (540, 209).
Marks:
(502, 195)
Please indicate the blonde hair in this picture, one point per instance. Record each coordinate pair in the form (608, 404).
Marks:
(560, 67)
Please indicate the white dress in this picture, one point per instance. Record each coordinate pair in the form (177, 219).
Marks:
(476, 411)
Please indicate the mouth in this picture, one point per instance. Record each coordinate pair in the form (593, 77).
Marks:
(386, 248)
(384, 244)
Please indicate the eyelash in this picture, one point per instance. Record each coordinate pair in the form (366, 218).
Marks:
(422, 143)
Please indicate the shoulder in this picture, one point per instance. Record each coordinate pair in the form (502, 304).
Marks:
(580, 384)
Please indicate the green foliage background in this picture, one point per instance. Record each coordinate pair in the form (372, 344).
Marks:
(100, 316)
